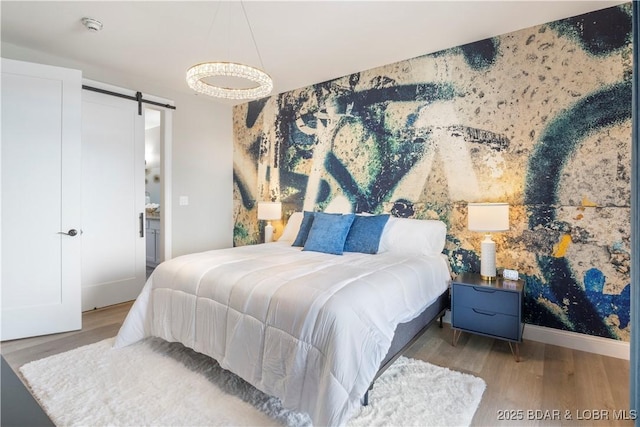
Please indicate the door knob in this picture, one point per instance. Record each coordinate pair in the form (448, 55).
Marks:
(71, 232)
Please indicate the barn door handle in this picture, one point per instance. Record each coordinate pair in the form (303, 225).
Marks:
(72, 232)
(141, 224)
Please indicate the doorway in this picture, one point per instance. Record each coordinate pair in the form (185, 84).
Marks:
(153, 188)
(115, 218)
(113, 250)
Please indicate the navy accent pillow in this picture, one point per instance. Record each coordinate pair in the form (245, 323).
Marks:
(305, 226)
(328, 233)
(364, 235)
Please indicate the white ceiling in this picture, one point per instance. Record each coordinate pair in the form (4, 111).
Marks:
(300, 42)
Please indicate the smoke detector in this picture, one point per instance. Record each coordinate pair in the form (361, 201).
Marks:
(93, 25)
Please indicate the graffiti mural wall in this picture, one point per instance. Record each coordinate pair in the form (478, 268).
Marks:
(539, 118)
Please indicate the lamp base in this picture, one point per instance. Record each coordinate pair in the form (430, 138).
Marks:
(268, 233)
(488, 258)
(488, 278)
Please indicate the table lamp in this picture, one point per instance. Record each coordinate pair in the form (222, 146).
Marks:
(487, 218)
(269, 211)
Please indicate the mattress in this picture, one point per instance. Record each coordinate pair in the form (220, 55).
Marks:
(307, 327)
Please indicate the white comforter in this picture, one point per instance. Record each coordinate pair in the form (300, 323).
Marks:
(307, 327)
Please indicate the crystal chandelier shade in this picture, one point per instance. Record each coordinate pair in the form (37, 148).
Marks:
(199, 72)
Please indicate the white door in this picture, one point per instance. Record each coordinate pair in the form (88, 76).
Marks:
(40, 198)
(113, 242)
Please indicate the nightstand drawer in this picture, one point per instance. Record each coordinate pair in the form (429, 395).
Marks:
(486, 299)
(486, 322)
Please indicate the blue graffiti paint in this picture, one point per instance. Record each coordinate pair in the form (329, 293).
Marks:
(585, 309)
(396, 161)
(349, 186)
(493, 140)
(594, 280)
(607, 304)
(302, 143)
(538, 313)
(243, 188)
(395, 155)
(567, 292)
(621, 306)
(582, 309)
(606, 107)
(535, 288)
(482, 54)
(247, 197)
(297, 184)
(403, 209)
(418, 92)
(601, 32)
(253, 111)
(240, 233)
(463, 260)
(254, 149)
(618, 247)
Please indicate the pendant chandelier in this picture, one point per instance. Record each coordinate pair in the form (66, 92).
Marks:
(263, 85)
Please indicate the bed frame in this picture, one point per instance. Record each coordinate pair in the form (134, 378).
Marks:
(408, 333)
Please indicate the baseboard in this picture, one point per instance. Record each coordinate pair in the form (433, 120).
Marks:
(573, 340)
(576, 341)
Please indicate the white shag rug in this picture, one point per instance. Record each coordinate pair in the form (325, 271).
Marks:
(155, 383)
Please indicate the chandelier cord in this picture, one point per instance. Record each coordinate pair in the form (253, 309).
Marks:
(255, 45)
(197, 74)
(213, 23)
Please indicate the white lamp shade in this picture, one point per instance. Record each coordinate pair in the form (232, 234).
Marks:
(269, 210)
(488, 217)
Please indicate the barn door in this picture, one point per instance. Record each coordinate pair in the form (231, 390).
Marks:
(113, 241)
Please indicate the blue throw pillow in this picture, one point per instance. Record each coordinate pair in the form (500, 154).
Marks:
(364, 235)
(328, 233)
(305, 226)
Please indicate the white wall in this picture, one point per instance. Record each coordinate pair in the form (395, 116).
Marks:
(203, 171)
(202, 159)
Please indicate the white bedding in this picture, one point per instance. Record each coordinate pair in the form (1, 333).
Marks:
(307, 327)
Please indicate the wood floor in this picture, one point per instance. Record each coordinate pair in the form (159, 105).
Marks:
(551, 386)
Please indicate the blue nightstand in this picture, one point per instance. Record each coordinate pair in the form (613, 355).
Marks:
(493, 309)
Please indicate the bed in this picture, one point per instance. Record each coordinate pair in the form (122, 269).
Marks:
(308, 326)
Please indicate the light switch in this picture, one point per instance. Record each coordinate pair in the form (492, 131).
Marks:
(184, 200)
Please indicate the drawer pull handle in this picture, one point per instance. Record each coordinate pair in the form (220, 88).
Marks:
(485, 313)
(485, 290)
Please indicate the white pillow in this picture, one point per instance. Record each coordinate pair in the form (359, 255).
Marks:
(291, 229)
(413, 236)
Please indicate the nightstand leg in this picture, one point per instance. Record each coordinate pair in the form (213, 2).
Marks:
(516, 353)
(456, 336)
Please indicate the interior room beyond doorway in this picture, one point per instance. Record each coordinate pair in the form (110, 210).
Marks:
(153, 177)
